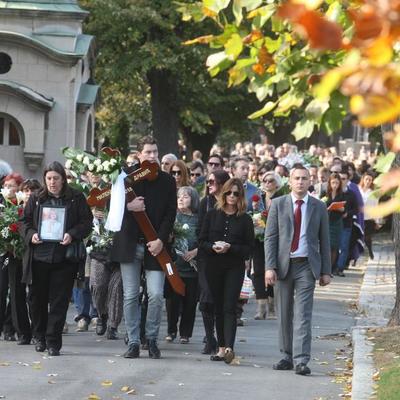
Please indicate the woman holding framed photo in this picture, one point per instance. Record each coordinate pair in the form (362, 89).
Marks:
(54, 217)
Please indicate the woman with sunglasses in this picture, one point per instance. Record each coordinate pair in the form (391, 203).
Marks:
(214, 185)
(271, 184)
(180, 173)
(227, 239)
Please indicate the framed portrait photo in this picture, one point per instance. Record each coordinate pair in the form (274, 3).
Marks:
(52, 221)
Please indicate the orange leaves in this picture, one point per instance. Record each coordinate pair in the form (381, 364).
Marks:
(321, 33)
(201, 39)
(367, 23)
(253, 36)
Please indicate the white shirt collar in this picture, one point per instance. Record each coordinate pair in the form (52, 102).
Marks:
(305, 199)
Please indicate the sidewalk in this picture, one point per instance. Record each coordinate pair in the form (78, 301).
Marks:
(376, 301)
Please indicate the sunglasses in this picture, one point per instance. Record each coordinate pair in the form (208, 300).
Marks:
(236, 194)
(197, 174)
(269, 181)
(210, 182)
(214, 164)
(177, 173)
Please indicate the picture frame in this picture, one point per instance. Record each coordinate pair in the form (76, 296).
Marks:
(52, 223)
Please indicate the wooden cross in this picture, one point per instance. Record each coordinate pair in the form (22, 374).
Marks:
(99, 198)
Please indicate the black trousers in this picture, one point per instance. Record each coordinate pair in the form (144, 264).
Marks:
(225, 284)
(6, 324)
(262, 292)
(18, 296)
(184, 307)
(49, 297)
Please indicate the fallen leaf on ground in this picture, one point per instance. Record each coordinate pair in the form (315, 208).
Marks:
(93, 396)
(227, 373)
(106, 383)
(5, 364)
(323, 363)
(256, 366)
(376, 376)
(51, 382)
(132, 391)
(125, 389)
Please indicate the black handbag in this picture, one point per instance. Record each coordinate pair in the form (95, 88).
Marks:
(76, 252)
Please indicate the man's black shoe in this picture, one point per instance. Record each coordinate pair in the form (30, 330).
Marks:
(53, 352)
(283, 365)
(133, 351)
(101, 326)
(9, 337)
(302, 369)
(40, 346)
(154, 351)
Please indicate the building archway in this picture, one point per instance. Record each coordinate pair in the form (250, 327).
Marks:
(11, 131)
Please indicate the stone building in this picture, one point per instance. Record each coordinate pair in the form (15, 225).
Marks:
(47, 94)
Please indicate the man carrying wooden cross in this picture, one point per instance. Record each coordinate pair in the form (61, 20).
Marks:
(158, 199)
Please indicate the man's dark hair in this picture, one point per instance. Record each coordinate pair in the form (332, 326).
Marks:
(345, 171)
(221, 160)
(196, 164)
(145, 140)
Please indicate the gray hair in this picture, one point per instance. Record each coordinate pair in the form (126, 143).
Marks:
(194, 197)
(5, 169)
(275, 176)
(170, 156)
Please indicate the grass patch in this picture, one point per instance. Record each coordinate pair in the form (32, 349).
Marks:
(387, 362)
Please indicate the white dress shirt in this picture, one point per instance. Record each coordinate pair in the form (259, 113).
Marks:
(302, 249)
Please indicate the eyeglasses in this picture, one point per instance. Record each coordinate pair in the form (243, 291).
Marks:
(236, 194)
(210, 182)
(177, 173)
(269, 181)
(261, 173)
(214, 164)
(197, 174)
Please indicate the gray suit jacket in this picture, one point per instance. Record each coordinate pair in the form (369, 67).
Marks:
(279, 234)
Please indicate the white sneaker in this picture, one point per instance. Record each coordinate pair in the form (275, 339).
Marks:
(93, 324)
(82, 325)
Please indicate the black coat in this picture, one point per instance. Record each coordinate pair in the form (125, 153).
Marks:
(238, 231)
(78, 223)
(161, 204)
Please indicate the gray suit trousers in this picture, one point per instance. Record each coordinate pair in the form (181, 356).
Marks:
(294, 299)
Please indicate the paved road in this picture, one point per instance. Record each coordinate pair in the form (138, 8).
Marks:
(87, 361)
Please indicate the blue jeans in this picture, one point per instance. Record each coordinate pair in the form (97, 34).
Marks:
(155, 288)
(344, 248)
(83, 302)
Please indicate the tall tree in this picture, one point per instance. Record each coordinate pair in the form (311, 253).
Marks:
(150, 80)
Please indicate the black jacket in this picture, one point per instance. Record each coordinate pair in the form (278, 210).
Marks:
(238, 231)
(161, 203)
(78, 223)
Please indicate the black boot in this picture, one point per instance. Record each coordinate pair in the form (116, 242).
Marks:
(112, 333)
(154, 351)
(101, 325)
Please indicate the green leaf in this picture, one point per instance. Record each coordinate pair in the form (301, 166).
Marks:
(262, 92)
(216, 5)
(303, 129)
(384, 162)
(267, 108)
(328, 84)
(316, 109)
(234, 46)
(250, 4)
(332, 121)
(236, 76)
(289, 100)
(237, 11)
(273, 45)
(245, 62)
(217, 58)
(264, 14)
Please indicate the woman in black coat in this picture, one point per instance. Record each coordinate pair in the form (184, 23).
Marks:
(227, 238)
(214, 183)
(45, 267)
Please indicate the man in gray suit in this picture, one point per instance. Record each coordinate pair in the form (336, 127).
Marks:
(297, 253)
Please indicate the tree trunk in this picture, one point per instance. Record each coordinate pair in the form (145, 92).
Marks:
(395, 316)
(164, 110)
(203, 142)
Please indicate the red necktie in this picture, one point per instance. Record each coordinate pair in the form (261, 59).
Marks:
(297, 226)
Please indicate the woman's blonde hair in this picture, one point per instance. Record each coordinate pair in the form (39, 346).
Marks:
(241, 203)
